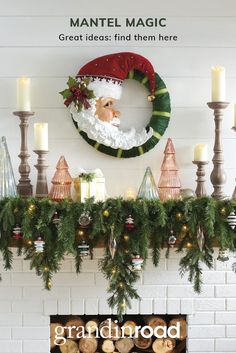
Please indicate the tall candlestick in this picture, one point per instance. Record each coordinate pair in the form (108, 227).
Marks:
(218, 175)
(41, 136)
(201, 153)
(23, 94)
(24, 187)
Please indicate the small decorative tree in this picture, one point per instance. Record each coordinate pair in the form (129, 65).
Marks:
(169, 183)
(61, 188)
(148, 189)
(7, 179)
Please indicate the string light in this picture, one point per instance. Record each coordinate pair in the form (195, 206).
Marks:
(126, 237)
(46, 269)
(121, 285)
(223, 211)
(49, 284)
(189, 245)
(29, 242)
(179, 215)
(31, 208)
(184, 228)
(126, 251)
(113, 271)
(81, 232)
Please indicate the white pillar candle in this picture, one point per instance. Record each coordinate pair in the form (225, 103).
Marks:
(41, 137)
(23, 94)
(201, 153)
(235, 115)
(218, 84)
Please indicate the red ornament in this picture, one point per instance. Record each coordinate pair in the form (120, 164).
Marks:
(129, 223)
(17, 233)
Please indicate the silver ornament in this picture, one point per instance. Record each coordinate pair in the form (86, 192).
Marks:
(231, 219)
(187, 193)
(84, 219)
(200, 238)
(172, 239)
(112, 243)
(223, 255)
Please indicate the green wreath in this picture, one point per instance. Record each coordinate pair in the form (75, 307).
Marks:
(159, 120)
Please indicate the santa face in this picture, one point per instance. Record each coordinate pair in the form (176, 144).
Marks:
(105, 110)
(100, 122)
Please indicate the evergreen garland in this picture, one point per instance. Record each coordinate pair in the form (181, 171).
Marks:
(153, 223)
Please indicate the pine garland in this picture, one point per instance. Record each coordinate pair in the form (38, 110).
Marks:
(153, 223)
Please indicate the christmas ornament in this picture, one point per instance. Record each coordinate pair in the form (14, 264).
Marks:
(169, 182)
(106, 213)
(148, 189)
(17, 233)
(61, 182)
(112, 243)
(223, 255)
(232, 220)
(184, 193)
(56, 219)
(84, 249)
(172, 239)
(39, 245)
(137, 263)
(129, 223)
(84, 219)
(7, 179)
(200, 238)
(100, 81)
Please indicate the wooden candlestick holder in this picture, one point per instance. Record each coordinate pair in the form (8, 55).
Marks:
(41, 166)
(200, 190)
(24, 187)
(218, 175)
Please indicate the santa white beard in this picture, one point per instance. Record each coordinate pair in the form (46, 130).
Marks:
(104, 132)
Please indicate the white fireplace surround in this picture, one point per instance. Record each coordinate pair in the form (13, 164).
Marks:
(25, 307)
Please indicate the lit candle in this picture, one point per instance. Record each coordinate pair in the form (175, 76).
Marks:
(201, 153)
(130, 194)
(23, 94)
(235, 115)
(41, 137)
(218, 84)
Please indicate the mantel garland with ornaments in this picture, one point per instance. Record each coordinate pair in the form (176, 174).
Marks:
(197, 225)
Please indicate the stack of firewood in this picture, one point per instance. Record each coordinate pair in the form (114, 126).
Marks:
(116, 341)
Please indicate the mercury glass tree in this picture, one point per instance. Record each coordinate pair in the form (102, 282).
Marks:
(7, 179)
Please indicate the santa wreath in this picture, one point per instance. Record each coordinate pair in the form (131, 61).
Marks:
(91, 96)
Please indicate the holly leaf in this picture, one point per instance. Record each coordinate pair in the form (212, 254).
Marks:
(66, 93)
(71, 81)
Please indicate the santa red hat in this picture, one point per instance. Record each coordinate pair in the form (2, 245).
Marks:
(109, 71)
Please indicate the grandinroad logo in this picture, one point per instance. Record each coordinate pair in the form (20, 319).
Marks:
(108, 331)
